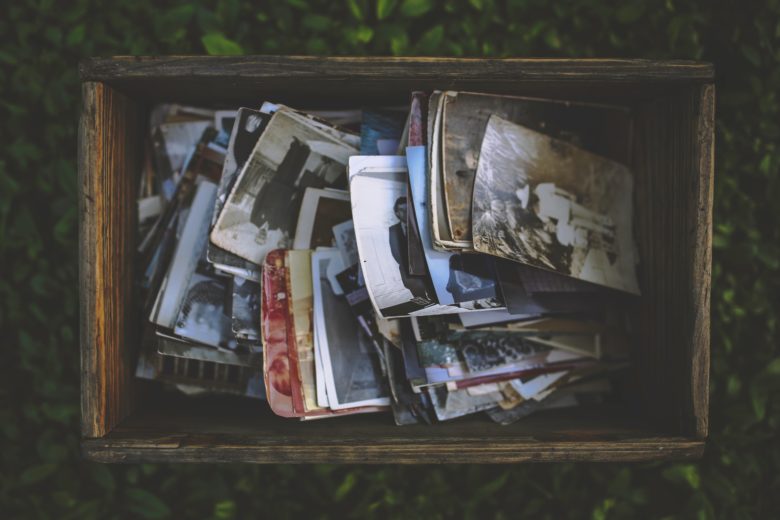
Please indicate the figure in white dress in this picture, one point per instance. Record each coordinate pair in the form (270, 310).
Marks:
(591, 235)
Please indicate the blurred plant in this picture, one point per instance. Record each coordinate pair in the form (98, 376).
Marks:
(42, 474)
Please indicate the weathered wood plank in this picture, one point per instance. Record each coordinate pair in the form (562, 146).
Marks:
(441, 69)
(190, 449)
(701, 261)
(673, 165)
(107, 166)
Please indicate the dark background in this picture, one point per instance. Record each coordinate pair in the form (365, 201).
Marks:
(41, 472)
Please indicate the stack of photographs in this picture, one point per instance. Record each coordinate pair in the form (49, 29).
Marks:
(468, 253)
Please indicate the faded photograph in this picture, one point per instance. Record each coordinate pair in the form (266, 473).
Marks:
(262, 209)
(246, 308)
(344, 234)
(352, 364)
(545, 203)
(202, 317)
(320, 211)
(379, 213)
(485, 350)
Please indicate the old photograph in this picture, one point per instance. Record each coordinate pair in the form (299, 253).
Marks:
(203, 317)
(601, 129)
(456, 278)
(379, 208)
(353, 374)
(261, 211)
(246, 131)
(321, 210)
(246, 308)
(344, 235)
(546, 203)
(487, 350)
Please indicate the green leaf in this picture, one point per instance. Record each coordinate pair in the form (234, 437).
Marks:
(37, 473)
(357, 8)
(759, 395)
(773, 368)
(415, 8)
(146, 504)
(75, 36)
(364, 34)
(103, 478)
(477, 4)
(552, 39)
(316, 22)
(431, 41)
(345, 487)
(384, 8)
(751, 54)
(225, 509)
(630, 12)
(217, 44)
(683, 473)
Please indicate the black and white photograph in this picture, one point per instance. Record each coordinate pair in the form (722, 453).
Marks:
(546, 203)
(203, 317)
(488, 350)
(261, 211)
(351, 361)
(170, 345)
(520, 302)
(246, 308)
(344, 235)
(456, 278)
(248, 126)
(440, 229)
(379, 206)
(186, 256)
(321, 210)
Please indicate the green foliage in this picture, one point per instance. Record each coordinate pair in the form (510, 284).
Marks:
(41, 472)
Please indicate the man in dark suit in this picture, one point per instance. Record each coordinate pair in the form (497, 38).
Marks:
(399, 249)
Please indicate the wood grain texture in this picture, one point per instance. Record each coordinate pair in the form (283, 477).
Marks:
(701, 277)
(188, 448)
(674, 136)
(440, 69)
(304, 81)
(175, 430)
(108, 164)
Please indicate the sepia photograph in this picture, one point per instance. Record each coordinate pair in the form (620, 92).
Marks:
(261, 211)
(247, 128)
(353, 373)
(601, 129)
(548, 204)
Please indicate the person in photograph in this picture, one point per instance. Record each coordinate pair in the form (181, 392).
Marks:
(202, 316)
(276, 197)
(399, 249)
(248, 131)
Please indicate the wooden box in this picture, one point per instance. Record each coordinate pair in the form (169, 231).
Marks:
(664, 416)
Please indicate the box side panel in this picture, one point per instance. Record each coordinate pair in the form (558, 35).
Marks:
(219, 429)
(673, 164)
(381, 80)
(701, 263)
(109, 156)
